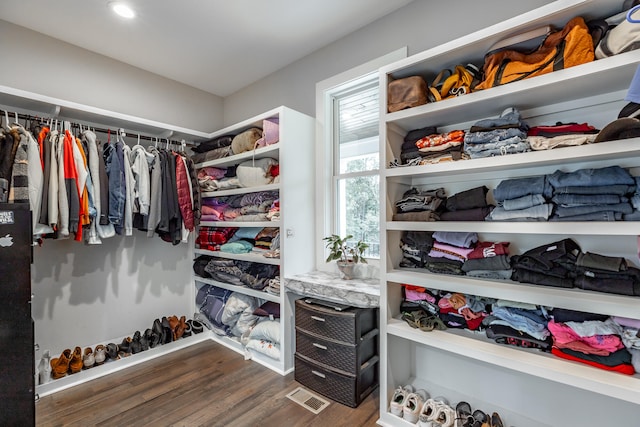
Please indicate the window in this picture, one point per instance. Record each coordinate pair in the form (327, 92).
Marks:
(348, 174)
(357, 163)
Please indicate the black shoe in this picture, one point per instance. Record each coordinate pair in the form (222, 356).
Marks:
(630, 110)
(112, 351)
(135, 346)
(196, 326)
(187, 331)
(167, 332)
(152, 338)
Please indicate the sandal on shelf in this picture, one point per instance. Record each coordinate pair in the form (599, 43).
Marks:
(463, 414)
(422, 321)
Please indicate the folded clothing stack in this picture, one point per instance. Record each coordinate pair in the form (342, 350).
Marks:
(419, 205)
(469, 205)
(506, 134)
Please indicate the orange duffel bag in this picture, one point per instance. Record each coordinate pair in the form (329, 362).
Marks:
(571, 46)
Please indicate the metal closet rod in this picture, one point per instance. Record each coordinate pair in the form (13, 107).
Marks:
(105, 131)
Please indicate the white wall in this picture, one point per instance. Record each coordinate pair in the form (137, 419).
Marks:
(40, 64)
(420, 25)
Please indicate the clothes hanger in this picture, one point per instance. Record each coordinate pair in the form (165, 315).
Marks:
(138, 140)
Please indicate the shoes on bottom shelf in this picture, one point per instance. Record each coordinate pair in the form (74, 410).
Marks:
(396, 405)
(416, 407)
(170, 329)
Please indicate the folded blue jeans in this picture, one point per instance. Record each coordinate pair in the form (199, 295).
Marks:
(611, 175)
(523, 202)
(570, 200)
(518, 187)
(623, 208)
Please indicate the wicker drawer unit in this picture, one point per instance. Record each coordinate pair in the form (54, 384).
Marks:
(337, 351)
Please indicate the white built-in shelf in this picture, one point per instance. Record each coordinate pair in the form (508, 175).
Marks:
(251, 256)
(240, 224)
(258, 153)
(477, 346)
(242, 289)
(530, 163)
(574, 298)
(241, 190)
(235, 345)
(591, 79)
(587, 228)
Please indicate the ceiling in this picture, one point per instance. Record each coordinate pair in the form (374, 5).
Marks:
(213, 45)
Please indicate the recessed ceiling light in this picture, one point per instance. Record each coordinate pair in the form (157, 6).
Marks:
(122, 9)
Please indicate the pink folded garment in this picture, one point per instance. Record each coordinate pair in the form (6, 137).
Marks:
(564, 334)
(442, 250)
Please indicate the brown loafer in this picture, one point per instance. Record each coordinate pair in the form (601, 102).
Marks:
(60, 365)
(75, 365)
(181, 327)
(174, 322)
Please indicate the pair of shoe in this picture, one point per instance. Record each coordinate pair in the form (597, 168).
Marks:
(396, 406)
(436, 412)
(91, 357)
(68, 362)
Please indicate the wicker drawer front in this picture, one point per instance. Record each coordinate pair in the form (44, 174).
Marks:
(339, 326)
(337, 387)
(331, 353)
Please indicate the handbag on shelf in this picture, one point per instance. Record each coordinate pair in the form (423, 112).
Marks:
(571, 46)
(406, 93)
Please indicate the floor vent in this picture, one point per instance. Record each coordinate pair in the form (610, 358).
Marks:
(311, 401)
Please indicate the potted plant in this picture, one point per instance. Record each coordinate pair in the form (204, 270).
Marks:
(346, 255)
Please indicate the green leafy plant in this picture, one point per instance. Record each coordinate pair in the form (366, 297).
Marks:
(341, 250)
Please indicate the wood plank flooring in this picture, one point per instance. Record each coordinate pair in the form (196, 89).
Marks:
(205, 384)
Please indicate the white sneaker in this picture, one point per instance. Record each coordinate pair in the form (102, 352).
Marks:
(446, 416)
(44, 368)
(397, 401)
(429, 411)
(413, 404)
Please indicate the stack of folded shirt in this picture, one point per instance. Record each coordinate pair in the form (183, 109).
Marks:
(438, 148)
(602, 273)
(266, 236)
(215, 148)
(592, 194)
(489, 260)
(630, 338)
(419, 205)
(469, 205)
(409, 153)
(446, 257)
(593, 342)
(506, 134)
(462, 311)
(552, 264)
(211, 238)
(519, 324)
(561, 135)
(214, 179)
(415, 246)
(522, 199)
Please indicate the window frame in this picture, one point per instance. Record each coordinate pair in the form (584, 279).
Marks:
(327, 156)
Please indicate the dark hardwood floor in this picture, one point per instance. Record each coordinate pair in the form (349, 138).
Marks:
(205, 384)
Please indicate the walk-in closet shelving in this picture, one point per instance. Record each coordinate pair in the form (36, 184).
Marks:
(293, 151)
(17, 101)
(526, 387)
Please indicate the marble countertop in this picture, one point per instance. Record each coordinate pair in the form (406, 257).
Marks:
(363, 293)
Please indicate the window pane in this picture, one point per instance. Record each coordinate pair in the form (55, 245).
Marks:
(359, 213)
(357, 129)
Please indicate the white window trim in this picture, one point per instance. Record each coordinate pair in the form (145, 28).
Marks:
(324, 148)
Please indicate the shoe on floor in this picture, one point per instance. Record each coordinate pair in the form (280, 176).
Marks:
(413, 405)
(397, 401)
(100, 354)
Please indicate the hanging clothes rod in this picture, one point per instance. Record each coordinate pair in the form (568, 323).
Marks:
(105, 131)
